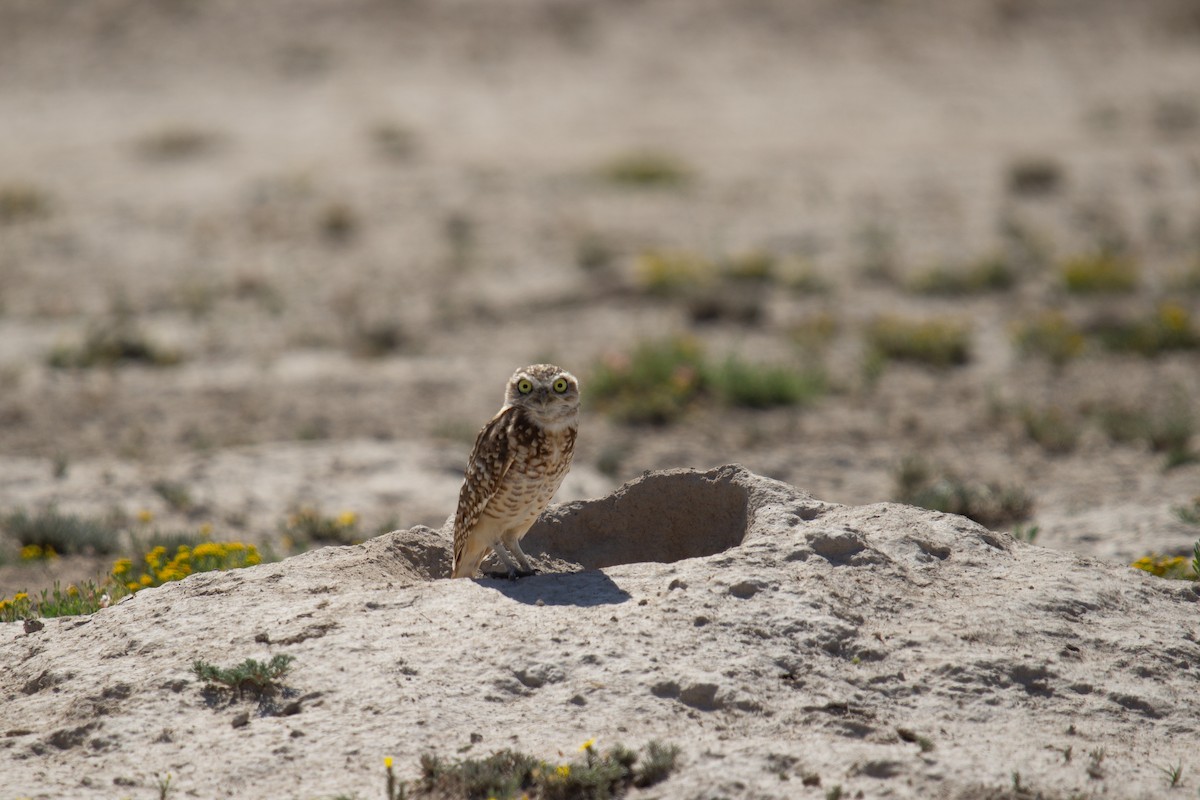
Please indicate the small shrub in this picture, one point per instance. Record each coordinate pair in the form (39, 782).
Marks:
(1189, 514)
(1052, 428)
(1051, 336)
(308, 526)
(20, 202)
(990, 505)
(668, 273)
(110, 343)
(393, 141)
(257, 677)
(745, 385)
(85, 598)
(646, 169)
(176, 143)
(654, 385)
(510, 774)
(1034, 177)
(753, 267)
(988, 275)
(174, 494)
(1100, 273)
(814, 334)
(935, 342)
(63, 534)
(1169, 328)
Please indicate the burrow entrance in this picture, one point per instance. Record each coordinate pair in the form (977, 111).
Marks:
(663, 517)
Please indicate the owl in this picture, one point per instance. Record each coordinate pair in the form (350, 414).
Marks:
(519, 460)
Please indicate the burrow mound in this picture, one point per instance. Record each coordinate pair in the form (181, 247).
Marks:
(661, 516)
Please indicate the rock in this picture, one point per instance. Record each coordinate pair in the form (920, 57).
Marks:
(241, 720)
(827, 629)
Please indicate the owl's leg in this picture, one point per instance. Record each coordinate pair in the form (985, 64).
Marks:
(512, 541)
(503, 555)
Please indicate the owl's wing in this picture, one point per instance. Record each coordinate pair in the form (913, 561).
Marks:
(490, 460)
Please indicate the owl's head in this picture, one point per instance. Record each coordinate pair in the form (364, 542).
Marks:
(549, 392)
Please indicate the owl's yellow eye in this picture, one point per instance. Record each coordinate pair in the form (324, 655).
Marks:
(560, 385)
(524, 386)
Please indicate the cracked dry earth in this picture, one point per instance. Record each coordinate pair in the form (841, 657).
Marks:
(788, 645)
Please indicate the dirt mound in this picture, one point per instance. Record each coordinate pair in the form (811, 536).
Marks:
(788, 645)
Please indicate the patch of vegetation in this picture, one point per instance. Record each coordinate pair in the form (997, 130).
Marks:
(176, 143)
(83, 598)
(393, 140)
(1103, 272)
(510, 774)
(668, 273)
(742, 384)
(63, 534)
(175, 494)
(1032, 177)
(656, 384)
(1172, 567)
(660, 381)
(936, 342)
(20, 202)
(814, 334)
(990, 505)
(128, 577)
(1051, 336)
(987, 275)
(257, 677)
(1167, 427)
(306, 527)
(647, 169)
(1056, 431)
(113, 342)
(1189, 514)
(1169, 328)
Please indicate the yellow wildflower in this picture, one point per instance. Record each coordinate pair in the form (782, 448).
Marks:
(31, 552)
(387, 762)
(564, 771)
(3, 604)
(19, 596)
(146, 580)
(588, 745)
(133, 586)
(208, 550)
(122, 566)
(145, 515)
(346, 519)
(72, 590)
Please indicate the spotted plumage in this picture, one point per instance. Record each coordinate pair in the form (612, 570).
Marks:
(518, 462)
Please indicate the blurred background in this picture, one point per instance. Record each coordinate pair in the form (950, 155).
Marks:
(266, 267)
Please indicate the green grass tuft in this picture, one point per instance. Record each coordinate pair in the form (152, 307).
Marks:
(65, 534)
(987, 275)
(936, 342)
(646, 169)
(990, 505)
(1099, 273)
(742, 384)
(1051, 336)
(656, 384)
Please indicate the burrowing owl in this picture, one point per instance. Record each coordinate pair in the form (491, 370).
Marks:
(519, 460)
